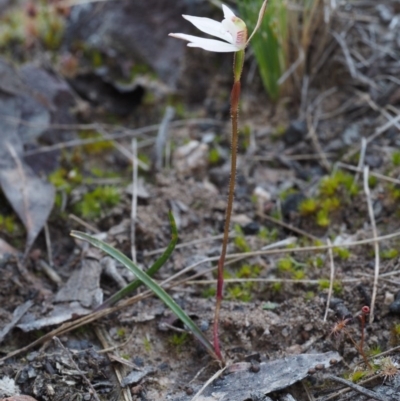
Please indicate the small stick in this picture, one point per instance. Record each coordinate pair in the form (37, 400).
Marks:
(377, 175)
(288, 226)
(361, 162)
(48, 244)
(356, 387)
(332, 276)
(376, 244)
(56, 339)
(83, 223)
(208, 382)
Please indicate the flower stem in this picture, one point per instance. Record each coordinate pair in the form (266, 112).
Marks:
(235, 95)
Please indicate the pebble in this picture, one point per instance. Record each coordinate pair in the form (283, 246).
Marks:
(295, 133)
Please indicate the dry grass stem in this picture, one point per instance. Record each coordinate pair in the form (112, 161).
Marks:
(331, 278)
(373, 174)
(376, 243)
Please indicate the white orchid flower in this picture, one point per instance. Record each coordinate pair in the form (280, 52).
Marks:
(232, 30)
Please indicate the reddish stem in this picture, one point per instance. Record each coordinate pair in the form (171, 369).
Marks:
(235, 94)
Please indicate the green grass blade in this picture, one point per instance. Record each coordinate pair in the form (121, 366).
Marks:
(150, 272)
(151, 284)
(270, 42)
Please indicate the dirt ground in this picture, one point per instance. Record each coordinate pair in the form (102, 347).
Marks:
(321, 166)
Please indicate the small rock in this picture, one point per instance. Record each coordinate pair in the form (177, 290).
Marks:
(351, 134)
(295, 133)
(394, 307)
(251, 228)
(262, 194)
(389, 298)
(373, 161)
(241, 219)
(290, 205)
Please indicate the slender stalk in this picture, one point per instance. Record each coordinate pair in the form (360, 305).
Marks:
(235, 95)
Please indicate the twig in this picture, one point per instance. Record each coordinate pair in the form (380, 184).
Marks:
(126, 132)
(48, 244)
(376, 244)
(232, 234)
(377, 175)
(356, 387)
(50, 272)
(101, 335)
(288, 226)
(360, 167)
(208, 382)
(123, 150)
(332, 276)
(83, 223)
(94, 393)
(134, 199)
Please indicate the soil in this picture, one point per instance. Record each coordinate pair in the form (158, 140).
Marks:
(277, 305)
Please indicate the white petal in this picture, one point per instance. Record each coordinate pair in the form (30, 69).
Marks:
(210, 26)
(228, 13)
(211, 45)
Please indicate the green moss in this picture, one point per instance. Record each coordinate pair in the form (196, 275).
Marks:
(299, 275)
(147, 344)
(372, 181)
(214, 156)
(395, 335)
(95, 148)
(268, 235)
(285, 264)
(7, 224)
(374, 351)
(357, 375)
(96, 201)
(121, 332)
(66, 180)
(337, 288)
(178, 339)
(240, 240)
(208, 292)
(396, 158)
(309, 295)
(50, 26)
(316, 261)
(342, 253)
(323, 219)
(239, 292)
(248, 271)
(277, 287)
(389, 253)
(330, 185)
(308, 206)
(330, 204)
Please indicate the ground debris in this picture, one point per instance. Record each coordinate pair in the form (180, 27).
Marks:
(276, 375)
